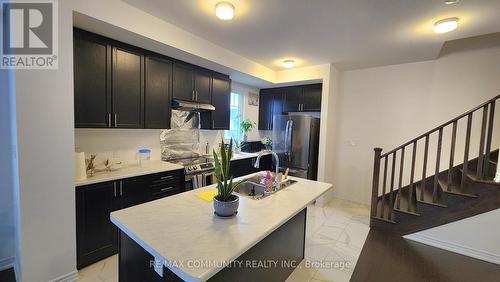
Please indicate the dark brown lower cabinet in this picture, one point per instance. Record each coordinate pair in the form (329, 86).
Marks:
(247, 166)
(96, 235)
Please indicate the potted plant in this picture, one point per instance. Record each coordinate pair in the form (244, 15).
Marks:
(237, 146)
(267, 142)
(225, 202)
(245, 127)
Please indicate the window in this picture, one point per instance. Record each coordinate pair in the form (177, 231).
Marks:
(235, 117)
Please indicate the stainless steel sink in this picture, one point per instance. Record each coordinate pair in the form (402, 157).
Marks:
(254, 187)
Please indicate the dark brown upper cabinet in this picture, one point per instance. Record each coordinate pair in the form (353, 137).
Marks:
(92, 80)
(311, 97)
(293, 99)
(304, 98)
(122, 86)
(109, 83)
(271, 104)
(183, 82)
(202, 86)
(192, 83)
(158, 94)
(221, 99)
(128, 88)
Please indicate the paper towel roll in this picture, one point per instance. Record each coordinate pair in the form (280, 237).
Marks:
(80, 167)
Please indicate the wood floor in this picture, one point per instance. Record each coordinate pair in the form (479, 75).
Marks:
(387, 257)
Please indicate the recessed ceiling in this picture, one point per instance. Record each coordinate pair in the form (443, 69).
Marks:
(349, 33)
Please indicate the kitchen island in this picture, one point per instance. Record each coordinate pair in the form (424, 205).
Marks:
(178, 238)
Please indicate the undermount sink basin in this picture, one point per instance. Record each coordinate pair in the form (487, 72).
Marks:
(254, 187)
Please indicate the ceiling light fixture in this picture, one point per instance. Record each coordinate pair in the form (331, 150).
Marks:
(446, 25)
(224, 10)
(288, 64)
(449, 2)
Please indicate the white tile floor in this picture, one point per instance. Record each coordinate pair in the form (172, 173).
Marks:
(334, 238)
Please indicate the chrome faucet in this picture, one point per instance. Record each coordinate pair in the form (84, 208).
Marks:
(276, 180)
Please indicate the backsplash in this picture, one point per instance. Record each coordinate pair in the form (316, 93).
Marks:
(124, 143)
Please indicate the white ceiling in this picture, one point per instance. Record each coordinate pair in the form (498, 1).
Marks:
(349, 33)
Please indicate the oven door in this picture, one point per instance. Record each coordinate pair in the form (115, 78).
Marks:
(195, 181)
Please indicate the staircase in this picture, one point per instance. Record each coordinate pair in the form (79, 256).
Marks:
(406, 198)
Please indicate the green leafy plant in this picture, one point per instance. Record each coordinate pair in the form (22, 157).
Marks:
(225, 185)
(267, 141)
(247, 126)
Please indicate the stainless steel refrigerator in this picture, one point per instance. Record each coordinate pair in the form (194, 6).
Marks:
(296, 141)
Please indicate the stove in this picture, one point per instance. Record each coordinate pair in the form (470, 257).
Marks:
(196, 165)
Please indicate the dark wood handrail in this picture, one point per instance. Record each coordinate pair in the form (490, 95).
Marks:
(441, 126)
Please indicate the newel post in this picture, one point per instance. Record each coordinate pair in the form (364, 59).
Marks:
(376, 175)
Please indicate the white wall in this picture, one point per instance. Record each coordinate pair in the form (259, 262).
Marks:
(7, 154)
(387, 106)
(475, 236)
(44, 100)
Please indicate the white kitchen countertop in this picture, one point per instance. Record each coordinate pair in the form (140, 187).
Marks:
(132, 170)
(180, 229)
(242, 155)
(129, 170)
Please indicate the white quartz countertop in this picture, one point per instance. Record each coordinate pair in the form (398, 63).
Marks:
(129, 170)
(181, 230)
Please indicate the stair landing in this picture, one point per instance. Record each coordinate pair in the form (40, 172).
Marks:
(388, 257)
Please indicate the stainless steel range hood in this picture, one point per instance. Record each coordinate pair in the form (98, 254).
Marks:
(191, 106)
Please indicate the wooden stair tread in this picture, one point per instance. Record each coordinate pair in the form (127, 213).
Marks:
(454, 189)
(428, 195)
(472, 175)
(404, 206)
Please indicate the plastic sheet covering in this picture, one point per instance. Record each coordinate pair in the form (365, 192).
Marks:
(183, 139)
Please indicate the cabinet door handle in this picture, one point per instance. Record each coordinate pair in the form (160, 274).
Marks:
(167, 177)
(109, 120)
(213, 124)
(116, 120)
(166, 189)
(121, 188)
(193, 96)
(114, 189)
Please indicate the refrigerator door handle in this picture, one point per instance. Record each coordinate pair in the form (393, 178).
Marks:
(286, 139)
(288, 145)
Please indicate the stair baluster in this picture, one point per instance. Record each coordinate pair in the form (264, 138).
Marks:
(489, 138)
(400, 185)
(383, 186)
(438, 162)
(424, 170)
(412, 178)
(452, 154)
(480, 163)
(466, 153)
(391, 197)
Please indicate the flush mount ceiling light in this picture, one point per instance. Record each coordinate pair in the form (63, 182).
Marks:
(288, 64)
(446, 25)
(449, 2)
(224, 10)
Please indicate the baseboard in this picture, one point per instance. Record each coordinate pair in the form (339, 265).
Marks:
(7, 263)
(69, 277)
(456, 248)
